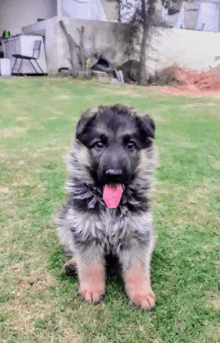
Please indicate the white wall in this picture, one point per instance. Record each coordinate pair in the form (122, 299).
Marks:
(187, 48)
(14, 14)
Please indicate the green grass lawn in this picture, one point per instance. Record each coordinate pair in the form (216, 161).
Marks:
(38, 302)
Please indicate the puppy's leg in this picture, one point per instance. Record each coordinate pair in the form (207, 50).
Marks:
(136, 273)
(91, 272)
(138, 286)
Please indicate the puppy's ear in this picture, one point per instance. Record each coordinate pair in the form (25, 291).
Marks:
(146, 129)
(82, 127)
(86, 119)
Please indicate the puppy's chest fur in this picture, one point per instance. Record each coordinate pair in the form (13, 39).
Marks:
(109, 230)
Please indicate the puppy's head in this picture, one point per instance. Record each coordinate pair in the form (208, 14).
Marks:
(114, 137)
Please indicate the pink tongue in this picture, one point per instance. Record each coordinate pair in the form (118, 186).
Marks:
(112, 195)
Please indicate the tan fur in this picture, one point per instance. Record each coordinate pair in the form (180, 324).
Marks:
(92, 286)
(142, 162)
(138, 287)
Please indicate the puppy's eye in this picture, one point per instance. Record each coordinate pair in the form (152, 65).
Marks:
(131, 145)
(99, 145)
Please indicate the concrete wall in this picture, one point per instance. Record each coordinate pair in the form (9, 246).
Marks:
(14, 14)
(98, 36)
(186, 48)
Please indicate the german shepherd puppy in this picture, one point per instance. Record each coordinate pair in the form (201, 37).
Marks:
(110, 168)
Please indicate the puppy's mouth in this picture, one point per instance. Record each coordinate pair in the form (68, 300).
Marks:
(112, 195)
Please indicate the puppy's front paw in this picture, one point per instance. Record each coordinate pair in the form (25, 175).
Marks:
(138, 288)
(92, 294)
(143, 300)
(92, 284)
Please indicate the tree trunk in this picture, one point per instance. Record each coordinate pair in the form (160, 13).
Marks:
(81, 49)
(147, 20)
(119, 11)
(73, 49)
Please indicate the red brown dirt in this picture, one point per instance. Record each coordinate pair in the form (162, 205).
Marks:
(194, 83)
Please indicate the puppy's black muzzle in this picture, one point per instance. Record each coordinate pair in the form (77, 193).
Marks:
(113, 176)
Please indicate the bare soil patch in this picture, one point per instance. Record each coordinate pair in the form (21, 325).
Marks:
(194, 83)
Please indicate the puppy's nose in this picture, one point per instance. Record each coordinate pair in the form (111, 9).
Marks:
(115, 172)
(114, 175)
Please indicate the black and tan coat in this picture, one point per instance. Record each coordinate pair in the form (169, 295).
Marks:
(117, 139)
